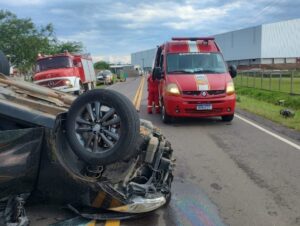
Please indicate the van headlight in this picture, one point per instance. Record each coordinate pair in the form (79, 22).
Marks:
(230, 88)
(173, 89)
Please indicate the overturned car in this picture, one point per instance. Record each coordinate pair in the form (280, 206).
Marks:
(92, 153)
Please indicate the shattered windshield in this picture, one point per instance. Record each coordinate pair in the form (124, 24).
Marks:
(53, 62)
(183, 63)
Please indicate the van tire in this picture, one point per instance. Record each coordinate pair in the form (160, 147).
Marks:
(227, 118)
(4, 64)
(127, 129)
(164, 116)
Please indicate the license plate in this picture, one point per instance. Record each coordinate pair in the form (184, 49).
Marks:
(201, 107)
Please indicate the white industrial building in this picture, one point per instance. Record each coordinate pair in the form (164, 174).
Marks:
(144, 59)
(275, 43)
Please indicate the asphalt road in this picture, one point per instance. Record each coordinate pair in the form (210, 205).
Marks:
(227, 173)
(252, 176)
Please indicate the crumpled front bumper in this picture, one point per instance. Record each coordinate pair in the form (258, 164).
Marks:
(147, 185)
(141, 205)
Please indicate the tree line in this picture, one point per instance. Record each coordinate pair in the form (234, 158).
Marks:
(21, 41)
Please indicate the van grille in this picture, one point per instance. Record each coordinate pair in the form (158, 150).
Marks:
(197, 93)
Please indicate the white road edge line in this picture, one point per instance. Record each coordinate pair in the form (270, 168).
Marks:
(269, 132)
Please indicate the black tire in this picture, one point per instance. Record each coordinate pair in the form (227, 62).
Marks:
(118, 143)
(4, 64)
(227, 118)
(164, 116)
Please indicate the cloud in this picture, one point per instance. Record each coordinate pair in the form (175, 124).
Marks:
(21, 2)
(60, 11)
(173, 15)
(114, 29)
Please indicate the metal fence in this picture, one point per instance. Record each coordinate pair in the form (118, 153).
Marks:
(287, 81)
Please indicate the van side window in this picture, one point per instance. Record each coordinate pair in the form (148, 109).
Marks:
(158, 57)
(161, 62)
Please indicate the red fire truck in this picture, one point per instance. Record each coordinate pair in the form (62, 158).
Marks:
(65, 72)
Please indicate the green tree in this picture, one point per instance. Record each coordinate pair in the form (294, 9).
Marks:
(101, 65)
(21, 40)
(72, 47)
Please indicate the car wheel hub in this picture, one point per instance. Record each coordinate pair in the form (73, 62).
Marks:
(97, 127)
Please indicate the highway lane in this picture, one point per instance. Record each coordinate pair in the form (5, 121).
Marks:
(251, 176)
(232, 170)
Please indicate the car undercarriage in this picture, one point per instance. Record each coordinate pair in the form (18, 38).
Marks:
(57, 148)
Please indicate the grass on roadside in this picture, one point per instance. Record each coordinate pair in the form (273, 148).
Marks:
(269, 111)
(272, 97)
(263, 103)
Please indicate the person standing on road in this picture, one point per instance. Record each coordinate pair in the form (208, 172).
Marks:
(153, 94)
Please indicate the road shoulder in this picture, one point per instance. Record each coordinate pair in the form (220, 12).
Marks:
(291, 133)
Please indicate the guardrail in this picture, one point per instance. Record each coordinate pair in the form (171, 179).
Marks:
(286, 81)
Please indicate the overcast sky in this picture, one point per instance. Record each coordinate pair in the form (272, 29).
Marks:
(111, 30)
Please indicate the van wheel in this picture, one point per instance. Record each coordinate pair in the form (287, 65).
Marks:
(164, 116)
(102, 127)
(227, 118)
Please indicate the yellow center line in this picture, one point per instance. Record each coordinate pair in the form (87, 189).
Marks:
(136, 97)
(112, 223)
(134, 101)
(138, 104)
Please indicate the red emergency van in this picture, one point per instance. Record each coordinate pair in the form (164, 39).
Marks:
(66, 72)
(194, 79)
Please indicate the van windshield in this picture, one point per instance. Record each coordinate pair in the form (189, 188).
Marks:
(53, 62)
(190, 63)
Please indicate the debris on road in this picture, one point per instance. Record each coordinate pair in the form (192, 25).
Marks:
(287, 113)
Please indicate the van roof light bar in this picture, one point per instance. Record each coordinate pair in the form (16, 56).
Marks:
(192, 38)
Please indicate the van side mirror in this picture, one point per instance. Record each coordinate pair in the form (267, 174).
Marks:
(232, 71)
(157, 73)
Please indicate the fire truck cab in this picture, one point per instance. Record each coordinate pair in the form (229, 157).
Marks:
(194, 79)
(65, 72)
